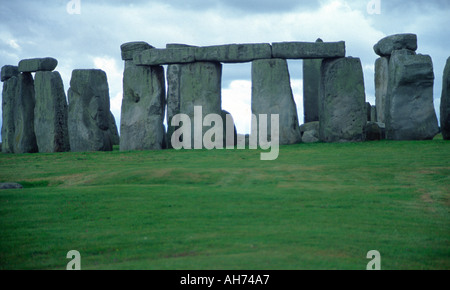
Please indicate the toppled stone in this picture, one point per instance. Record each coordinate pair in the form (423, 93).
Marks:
(311, 136)
(129, 49)
(50, 113)
(387, 45)
(445, 102)
(143, 107)
(89, 114)
(10, 185)
(305, 50)
(272, 94)
(410, 111)
(37, 64)
(9, 71)
(342, 110)
(233, 53)
(309, 127)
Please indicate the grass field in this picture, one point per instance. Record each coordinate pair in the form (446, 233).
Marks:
(318, 206)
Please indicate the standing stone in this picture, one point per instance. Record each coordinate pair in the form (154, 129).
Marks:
(9, 71)
(89, 114)
(190, 85)
(311, 84)
(9, 95)
(381, 86)
(368, 111)
(143, 106)
(24, 136)
(50, 113)
(409, 109)
(272, 94)
(342, 109)
(373, 114)
(113, 131)
(232, 141)
(445, 102)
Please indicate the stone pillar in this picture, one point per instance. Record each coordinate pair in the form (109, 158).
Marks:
(113, 131)
(342, 110)
(143, 104)
(409, 110)
(50, 113)
(445, 102)
(272, 94)
(9, 77)
(24, 136)
(311, 84)
(381, 85)
(89, 114)
(190, 85)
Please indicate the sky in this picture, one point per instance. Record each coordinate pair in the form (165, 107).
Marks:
(85, 34)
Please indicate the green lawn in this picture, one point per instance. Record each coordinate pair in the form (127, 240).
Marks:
(318, 206)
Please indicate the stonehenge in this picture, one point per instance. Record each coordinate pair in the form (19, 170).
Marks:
(37, 116)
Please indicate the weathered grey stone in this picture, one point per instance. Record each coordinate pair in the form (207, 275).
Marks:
(190, 85)
(445, 102)
(143, 107)
(342, 110)
(305, 50)
(368, 111)
(387, 45)
(165, 56)
(24, 136)
(113, 131)
(50, 113)
(9, 96)
(311, 136)
(311, 84)
(233, 53)
(272, 94)
(129, 49)
(309, 127)
(381, 86)
(9, 71)
(89, 114)
(444, 108)
(409, 109)
(10, 185)
(373, 114)
(229, 141)
(374, 131)
(37, 64)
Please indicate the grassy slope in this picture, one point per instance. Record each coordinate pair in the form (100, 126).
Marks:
(318, 206)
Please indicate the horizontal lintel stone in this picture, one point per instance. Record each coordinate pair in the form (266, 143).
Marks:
(130, 48)
(165, 56)
(37, 64)
(307, 50)
(234, 53)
